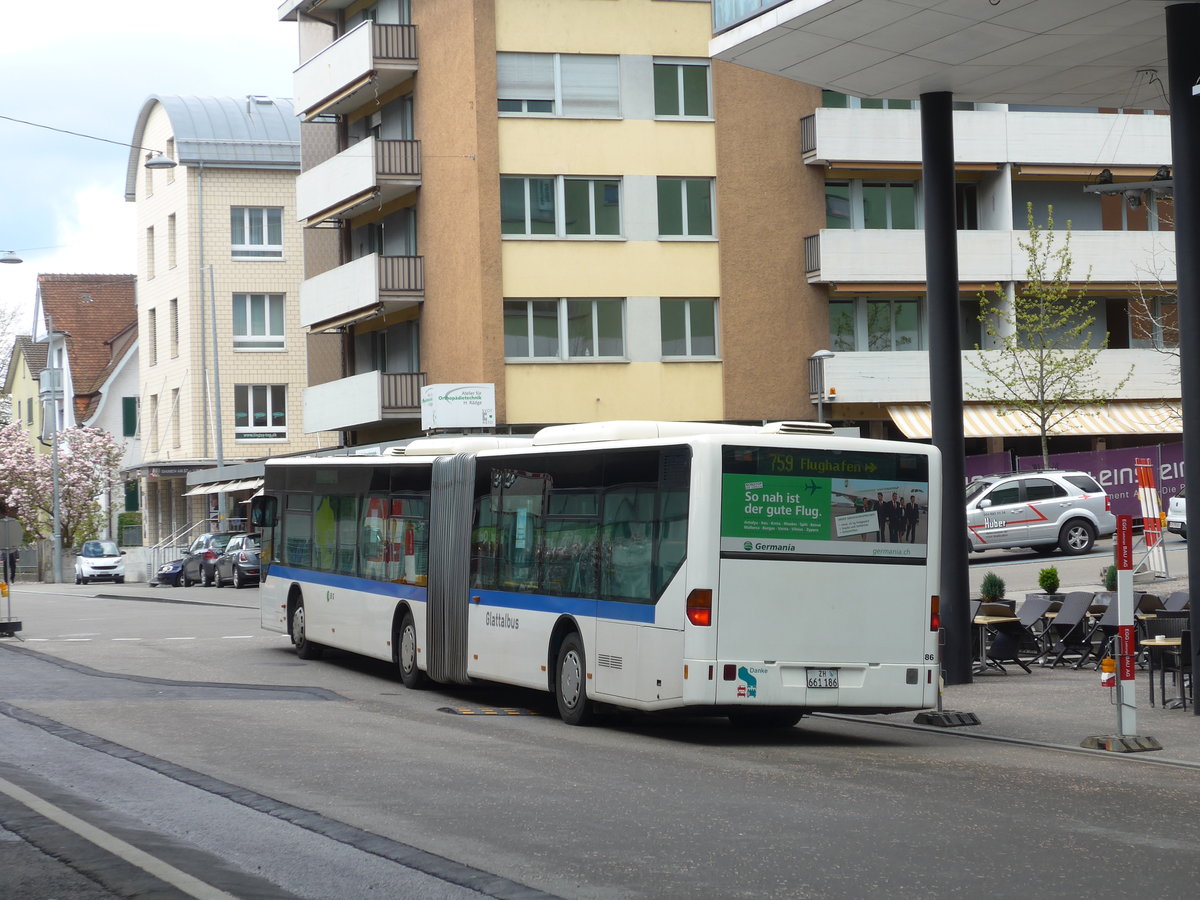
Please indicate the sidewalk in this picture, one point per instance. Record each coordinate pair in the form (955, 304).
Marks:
(1059, 706)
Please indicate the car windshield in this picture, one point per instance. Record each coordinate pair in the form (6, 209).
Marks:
(975, 488)
(96, 549)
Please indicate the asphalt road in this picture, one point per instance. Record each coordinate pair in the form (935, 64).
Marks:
(187, 734)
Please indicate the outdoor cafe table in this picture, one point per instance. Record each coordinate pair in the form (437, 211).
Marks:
(984, 623)
(1163, 643)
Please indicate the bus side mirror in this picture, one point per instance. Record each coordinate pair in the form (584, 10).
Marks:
(264, 512)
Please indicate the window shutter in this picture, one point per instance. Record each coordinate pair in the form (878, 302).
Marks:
(590, 86)
(525, 76)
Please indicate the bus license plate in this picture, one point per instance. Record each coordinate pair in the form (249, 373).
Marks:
(822, 678)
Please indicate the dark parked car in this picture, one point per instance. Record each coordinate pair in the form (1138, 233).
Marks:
(170, 574)
(200, 561)
(238, 565)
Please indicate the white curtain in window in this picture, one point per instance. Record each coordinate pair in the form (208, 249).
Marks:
(525, 76)
(590, 85)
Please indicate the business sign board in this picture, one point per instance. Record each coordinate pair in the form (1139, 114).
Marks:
(458, 406)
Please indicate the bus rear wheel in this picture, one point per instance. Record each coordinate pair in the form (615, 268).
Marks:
(305, 649)
(406, 654)
(570, 688)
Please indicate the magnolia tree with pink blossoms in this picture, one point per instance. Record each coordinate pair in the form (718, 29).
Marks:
(88, 466)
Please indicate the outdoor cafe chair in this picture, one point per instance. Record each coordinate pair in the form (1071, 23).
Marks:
(1070, 626)
(1171, 625)
(1177, 601)
(1034, 625)
(1103, 627)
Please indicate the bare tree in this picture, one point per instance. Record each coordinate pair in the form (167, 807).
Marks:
(8, 332)
(1041, 362)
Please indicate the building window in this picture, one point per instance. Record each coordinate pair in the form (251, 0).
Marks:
(260, 411)
(564, 328)
(871, 204)
(170, 154)
(154, 422)
(1154, 322)
(559, 84)
(681, 90)
(560, 207)
(689, 327)
(258, 321)
(150, 252)
(256, 232)
(835, 100)
(29, 410)
(132, 499)
(685, 207)
(175, 434)
(874, 324)
(152, 336)
(129, 416)
(174, 325)
(171, 241)
(391, 350)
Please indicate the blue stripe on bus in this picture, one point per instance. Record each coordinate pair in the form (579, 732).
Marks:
(575, 606)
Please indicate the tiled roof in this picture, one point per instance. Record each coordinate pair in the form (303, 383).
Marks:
(96, 313)
(33, 352)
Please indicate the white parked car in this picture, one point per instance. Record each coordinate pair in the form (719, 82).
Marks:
(1177, 514)
(100, 561)
(1042, 510)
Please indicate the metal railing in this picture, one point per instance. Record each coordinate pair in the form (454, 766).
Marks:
(402, 274)
(394, 42)
(402, 391)
(808, 134)
(171, 547)
(812, 254)
(398, 158)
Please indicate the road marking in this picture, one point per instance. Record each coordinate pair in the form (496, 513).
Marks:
(127, 639)
(179, 639)
(191, 886)
(237, 637)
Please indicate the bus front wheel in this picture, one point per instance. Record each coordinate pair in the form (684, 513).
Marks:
(406, 654)
(570, 689)
(305, 649)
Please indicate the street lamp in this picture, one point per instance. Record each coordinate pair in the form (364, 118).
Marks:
(816, 380)
(50, 391)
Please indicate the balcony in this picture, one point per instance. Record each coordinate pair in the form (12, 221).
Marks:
(983, 139)
(1113, 257)
(364, 63)
(368, 174)
(368, 286)
(358, 401)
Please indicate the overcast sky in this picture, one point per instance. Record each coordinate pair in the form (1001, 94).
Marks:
(88, 67)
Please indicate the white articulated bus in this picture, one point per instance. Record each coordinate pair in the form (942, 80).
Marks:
(754, 572)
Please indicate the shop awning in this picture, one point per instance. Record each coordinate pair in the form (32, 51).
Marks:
(225, 487)
(986, 420)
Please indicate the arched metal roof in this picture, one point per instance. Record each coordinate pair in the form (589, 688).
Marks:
(251, 133)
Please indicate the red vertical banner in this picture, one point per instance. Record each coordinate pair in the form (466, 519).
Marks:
(1126, 652)
(1124, 542)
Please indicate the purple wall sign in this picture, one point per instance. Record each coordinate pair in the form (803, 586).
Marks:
(1116, 472)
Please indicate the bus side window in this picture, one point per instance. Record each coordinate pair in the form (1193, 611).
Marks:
(672, 536)
(264, 512)
(297, 530)
(628, 543)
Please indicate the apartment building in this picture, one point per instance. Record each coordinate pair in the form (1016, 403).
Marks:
(565, 200)
(868, 255)
(224, 360)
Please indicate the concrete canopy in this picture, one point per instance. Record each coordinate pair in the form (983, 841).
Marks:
(1073, 53)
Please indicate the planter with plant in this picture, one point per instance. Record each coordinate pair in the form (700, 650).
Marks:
(1049, 583)
(991, 589)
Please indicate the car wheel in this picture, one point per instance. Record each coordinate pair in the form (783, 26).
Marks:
(217, 579)
(120, 579)
(305, 649)
(186, 579)
(206, 577)
(1077, 537)
(83, 581)
(570, 682)
(406, 654)
(238, 584)
(78, 580)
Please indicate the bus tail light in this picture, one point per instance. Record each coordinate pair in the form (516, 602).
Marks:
(699, 606)
(935, 612)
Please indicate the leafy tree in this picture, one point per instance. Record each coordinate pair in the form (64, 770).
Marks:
(8, 318)
(88, 466)
(1041, 363)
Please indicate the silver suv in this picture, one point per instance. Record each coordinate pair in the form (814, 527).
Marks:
(1042, 510)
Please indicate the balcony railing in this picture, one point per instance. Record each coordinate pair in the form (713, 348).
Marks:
(398, 158)
(808, 134)
(812, 254)
(401, 392)
(401, 274)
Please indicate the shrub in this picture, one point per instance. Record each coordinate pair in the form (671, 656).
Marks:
(991, 589)
(1109, 576)
(1048, 580)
